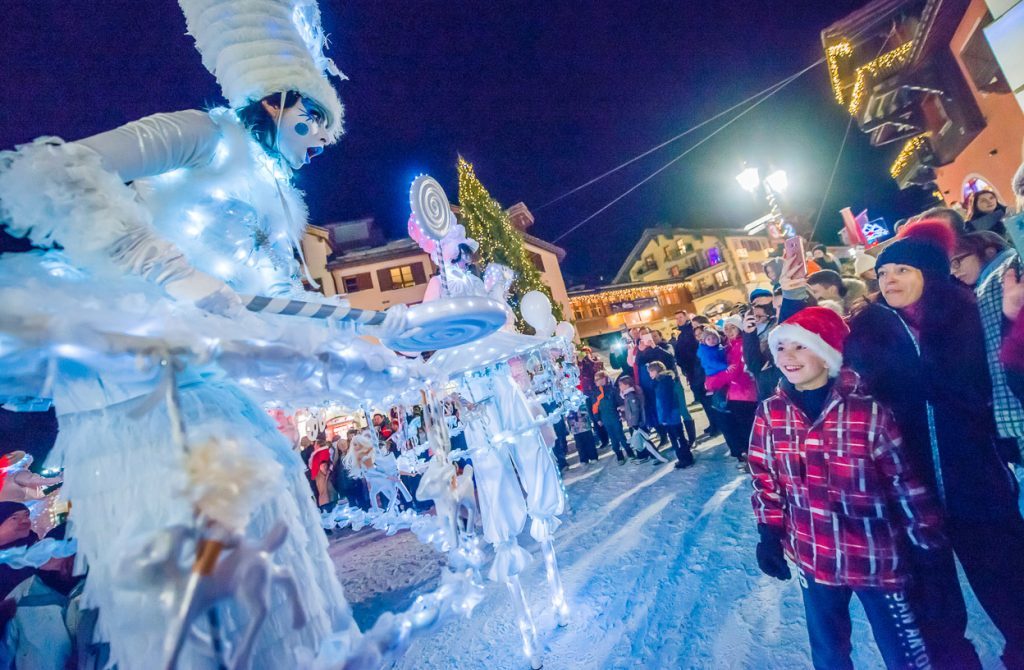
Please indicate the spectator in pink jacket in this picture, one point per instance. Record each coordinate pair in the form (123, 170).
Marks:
(741, 392)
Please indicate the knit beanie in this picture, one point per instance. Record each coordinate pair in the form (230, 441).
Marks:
(863, 263)
(759, 293)
(925, 245)
(820, 330)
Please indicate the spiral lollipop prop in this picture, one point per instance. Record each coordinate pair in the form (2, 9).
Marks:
(431, 219)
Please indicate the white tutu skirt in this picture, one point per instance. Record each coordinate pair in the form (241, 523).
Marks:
(125, 478)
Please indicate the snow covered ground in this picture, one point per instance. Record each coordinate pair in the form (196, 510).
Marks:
(658, 567)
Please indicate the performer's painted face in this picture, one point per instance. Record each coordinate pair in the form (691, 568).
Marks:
(303, 133)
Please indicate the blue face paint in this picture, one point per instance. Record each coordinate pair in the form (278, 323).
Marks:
(301, 128)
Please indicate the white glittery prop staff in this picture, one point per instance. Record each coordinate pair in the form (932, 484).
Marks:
(440, 325)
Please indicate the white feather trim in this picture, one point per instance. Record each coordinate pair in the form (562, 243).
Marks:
(259, 47)
(56, 192)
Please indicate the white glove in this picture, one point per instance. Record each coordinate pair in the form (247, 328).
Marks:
(396, 322)
(207, 293)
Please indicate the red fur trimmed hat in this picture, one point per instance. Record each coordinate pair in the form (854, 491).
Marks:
(820, 330)
(926, 245)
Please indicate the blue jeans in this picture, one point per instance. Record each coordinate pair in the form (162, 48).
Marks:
(893, 624)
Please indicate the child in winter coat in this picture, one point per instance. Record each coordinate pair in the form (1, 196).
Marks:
(671, 408)
(582, 430)
(633, 409)
(711, 353)
(740, 392)
(833, 490)
(606, 409)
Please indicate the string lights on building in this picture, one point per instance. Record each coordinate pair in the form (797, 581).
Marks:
(626, 294)
(840, 50)
(881, 66)
(906, 154)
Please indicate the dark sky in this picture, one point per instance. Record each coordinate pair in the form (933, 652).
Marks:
(541, 96)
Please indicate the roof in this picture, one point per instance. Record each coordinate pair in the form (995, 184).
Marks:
(407, 248)
(395, 250)
(622, 276)
(546, 246)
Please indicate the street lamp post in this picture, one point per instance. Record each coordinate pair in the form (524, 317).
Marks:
(773, 185)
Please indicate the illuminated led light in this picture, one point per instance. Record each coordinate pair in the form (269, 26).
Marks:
(885, 64)
(840, 50)
(907, 154)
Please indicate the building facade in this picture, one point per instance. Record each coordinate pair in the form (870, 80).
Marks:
(921, 78)
(382, 275)
(701, 271)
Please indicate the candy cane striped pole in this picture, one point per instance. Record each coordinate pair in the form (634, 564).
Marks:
(311, 310)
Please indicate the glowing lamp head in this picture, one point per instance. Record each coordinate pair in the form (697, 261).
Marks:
(777, 181)
(749, 179)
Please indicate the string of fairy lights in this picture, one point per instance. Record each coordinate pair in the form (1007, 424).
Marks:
(910, 148)
(882, 65)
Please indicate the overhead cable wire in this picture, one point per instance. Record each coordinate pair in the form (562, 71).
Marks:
(831, 178)
(767, 91)
(778, 87)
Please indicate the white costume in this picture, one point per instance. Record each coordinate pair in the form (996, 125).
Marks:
(207, 205)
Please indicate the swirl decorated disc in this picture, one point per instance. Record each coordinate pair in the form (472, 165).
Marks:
(448, 323)
(430, 206)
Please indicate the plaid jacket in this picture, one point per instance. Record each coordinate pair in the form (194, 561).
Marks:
(840, 488)
(1009, 414)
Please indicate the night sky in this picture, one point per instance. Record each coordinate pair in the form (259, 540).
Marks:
(540, 96)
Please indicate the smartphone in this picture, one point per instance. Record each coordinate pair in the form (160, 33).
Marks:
(793, 264)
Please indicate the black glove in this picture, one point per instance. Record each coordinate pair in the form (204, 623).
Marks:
(770, 558)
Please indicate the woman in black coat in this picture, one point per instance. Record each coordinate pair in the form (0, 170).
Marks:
(920, 350)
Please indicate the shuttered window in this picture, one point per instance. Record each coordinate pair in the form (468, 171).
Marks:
(401, 276)
(359, 282)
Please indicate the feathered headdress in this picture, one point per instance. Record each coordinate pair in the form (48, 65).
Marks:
(256, 48)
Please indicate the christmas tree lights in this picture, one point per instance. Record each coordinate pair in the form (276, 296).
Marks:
(489, 224)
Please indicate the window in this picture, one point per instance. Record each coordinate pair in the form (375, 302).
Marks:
(714, 256)
(741, 252)
(537, 260)
(650, 263)
(401, 276)
(356, 283)
(684, 247)
(722, 277)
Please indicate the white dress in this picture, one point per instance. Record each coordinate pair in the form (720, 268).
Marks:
(203, 196)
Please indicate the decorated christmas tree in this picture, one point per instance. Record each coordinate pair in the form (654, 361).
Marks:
(488, 223)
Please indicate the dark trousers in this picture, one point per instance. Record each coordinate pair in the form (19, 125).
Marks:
(736, 426)
(893, 625)
(358, 495)
(992, 555)
(714, 422)
(560, 450)
(617, 437)
(679, 443)
(586, 446)
(942, 613)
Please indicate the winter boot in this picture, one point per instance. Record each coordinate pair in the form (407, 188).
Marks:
(691, 430)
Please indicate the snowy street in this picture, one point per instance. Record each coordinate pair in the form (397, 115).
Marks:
(659, 570)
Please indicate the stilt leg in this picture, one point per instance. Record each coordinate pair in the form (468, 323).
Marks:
(555, 582)
(525, 620)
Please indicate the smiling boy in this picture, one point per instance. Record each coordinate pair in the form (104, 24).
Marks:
(832, 490)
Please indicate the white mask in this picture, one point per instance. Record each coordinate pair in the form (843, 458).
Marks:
(302, 134)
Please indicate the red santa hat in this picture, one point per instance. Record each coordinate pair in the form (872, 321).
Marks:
(819, 329)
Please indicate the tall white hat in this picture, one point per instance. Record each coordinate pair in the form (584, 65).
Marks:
(256, 48)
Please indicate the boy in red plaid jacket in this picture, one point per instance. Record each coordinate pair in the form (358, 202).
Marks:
(833, 490)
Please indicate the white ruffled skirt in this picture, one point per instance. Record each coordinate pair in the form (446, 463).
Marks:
(125, 477)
